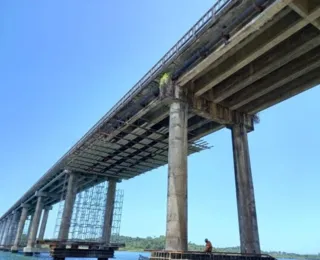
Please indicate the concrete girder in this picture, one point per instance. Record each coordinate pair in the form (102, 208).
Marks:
(276, 79)
(236, 42)
(289, 90)
(218, 113)
(281, 55)
(304, 8)
(245, 58)
(283, 34)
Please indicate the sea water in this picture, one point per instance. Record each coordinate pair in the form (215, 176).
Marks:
(122, 255)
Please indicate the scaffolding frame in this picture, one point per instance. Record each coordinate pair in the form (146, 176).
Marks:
(88, 214)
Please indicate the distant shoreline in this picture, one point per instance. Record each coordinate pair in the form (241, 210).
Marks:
(138, 244)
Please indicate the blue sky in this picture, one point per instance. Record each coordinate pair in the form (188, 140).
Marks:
(63, 64)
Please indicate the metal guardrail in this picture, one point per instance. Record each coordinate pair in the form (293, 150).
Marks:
(172, 53)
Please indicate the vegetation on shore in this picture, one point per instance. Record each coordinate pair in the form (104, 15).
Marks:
(158, 243)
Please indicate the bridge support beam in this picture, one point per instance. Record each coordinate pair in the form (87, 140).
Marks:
(29, 249)
(68, 207)
(44, 222)
(177, 199)
(22, 221)
(248, 226)
(107, 226)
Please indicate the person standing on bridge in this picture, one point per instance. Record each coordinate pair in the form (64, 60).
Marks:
(208, 246)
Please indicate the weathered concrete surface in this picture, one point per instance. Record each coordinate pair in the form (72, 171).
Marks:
(30, 224)
(177, 204)
(12, 228)
(107, 226)
(7, 230)
(2, 229)
(68, 207)
(44, 221)
(248, 226)
(34, 226)
(252, 71)
(22, 221)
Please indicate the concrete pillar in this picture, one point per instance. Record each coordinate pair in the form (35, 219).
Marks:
(2, 230)
(44, 222)
(248, 226)
(5, 228)
(68, 207)
(108, 217)
(28, 250)
(12, 228)
(177, 199)
(22, 221)
(7, 231)
(30, 225)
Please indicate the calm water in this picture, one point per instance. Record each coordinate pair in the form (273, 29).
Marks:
(118, 256)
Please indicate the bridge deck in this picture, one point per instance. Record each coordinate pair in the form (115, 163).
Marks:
(272, 54)
(132, 138)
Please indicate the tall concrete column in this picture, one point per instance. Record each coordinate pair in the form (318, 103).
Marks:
(22, 221)
(44, 222)
(3, 228)
(7, 231)
(177, 198)
(28, 250)
(12, 228)
(68, 207)
(108, 217)
(248, 226)
(30, 225)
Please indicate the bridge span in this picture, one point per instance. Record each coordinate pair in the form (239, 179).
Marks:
(240, 58)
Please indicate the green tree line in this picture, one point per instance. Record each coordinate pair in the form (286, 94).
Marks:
(158, 243)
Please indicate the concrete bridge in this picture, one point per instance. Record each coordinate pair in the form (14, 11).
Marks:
(240, 58)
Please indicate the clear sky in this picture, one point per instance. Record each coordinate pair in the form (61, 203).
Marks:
(63, 64)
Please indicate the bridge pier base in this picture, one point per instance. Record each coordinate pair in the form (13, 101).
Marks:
(177, 204)
(248, 226)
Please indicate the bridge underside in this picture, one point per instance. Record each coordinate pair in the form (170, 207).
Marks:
(274, 57)
(269, 54)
